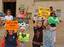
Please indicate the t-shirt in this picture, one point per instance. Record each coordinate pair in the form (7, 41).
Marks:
(9, 17)
(38, 29)
(10, 40)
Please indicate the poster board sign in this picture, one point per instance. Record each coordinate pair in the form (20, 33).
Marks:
(11, 25)
(43, 12)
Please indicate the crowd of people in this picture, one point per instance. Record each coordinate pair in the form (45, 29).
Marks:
(44, 30)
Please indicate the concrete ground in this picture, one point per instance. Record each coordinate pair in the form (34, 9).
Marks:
(60, 35)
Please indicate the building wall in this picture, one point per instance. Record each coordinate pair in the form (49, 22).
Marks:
(1, 5)
(32, 5)
(55, 4)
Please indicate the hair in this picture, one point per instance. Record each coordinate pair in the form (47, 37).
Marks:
(51, 8)
(8, 30)
(51, 14)
(8, 10)
(21, 9)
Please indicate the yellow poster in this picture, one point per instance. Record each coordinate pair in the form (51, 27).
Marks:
(11, 25)
(44, 12)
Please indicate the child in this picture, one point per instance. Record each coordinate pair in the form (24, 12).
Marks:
(50, 35)
(22, 14)
(11, 39)
(38, 35)
(23, 37)
(8, 15)
(51, 9)
(34, 18)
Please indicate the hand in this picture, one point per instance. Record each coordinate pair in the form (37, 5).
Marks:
(48, 27)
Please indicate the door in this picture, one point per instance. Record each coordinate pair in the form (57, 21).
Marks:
(11, 6)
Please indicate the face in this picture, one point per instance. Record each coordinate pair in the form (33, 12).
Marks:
(22, 11)
(51, 8)
(10, 32)
(22, 30)
(36, 23)
(39, 24)
(8, 12)
(52, 14)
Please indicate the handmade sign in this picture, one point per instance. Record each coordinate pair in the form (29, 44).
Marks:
(11, 25)
(40, 10)
(43, 12)
(53, 20)
(23, 37)
(22, 24)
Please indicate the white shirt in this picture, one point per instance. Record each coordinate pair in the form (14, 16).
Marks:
(9, 17)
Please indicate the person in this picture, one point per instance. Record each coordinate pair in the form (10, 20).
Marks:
(22, 14)
(34, 19)
(22, 37)
(11, 39)
(38, 35)
(51, 9)
(8, 15)
(50, 34)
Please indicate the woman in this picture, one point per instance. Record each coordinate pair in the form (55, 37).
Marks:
(50, 34)
(8, 15)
